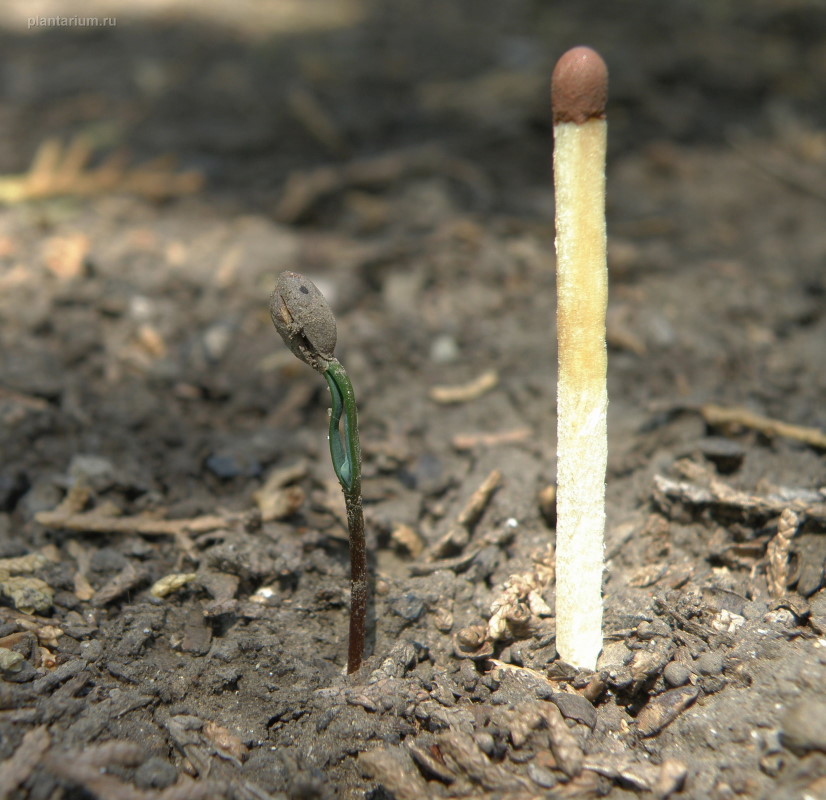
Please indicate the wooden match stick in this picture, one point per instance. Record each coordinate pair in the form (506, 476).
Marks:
(579, 88)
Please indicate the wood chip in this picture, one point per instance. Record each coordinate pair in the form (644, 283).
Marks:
(227, 744)
(171, 583)
(663, 709)
(130, 577)
(777, 552)
(405, 537)
(279, 504)
(451, 395)
(671, 779)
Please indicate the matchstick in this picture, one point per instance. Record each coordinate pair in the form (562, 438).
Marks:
(579, 87)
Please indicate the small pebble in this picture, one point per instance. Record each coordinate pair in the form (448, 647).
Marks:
(709, 664)
(469, 677)
(817, 606)
(10, 661)
(29, 595)
(428, 474)
(91, 650)
(44, 495)
(486, 743)
(541, 776)
(227, 465)
(91, 471)
(407, 606)
(217, 339)
(754, 609)
(676, 674)
(803, 727)
(444, 350)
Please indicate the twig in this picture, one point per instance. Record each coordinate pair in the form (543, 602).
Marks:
(733, 416)
(93, 522)
(451, 395)
(467, 441)
(458, 535)
(308, 111)
(498, 538)
(304, 190)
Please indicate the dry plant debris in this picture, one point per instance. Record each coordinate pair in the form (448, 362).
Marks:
(469, 441)
(56, 171)
(521, 599)
(15, 769)
(733, 417)
(458, 534)
(96, 522)
(305, 190)
(452, 395)
(778, 553)
(730, 503)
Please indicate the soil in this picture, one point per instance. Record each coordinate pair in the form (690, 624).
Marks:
(155, 428)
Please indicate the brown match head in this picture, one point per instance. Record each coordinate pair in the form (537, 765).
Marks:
(579, 86)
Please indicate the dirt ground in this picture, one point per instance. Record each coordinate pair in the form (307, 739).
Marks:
(154, 427)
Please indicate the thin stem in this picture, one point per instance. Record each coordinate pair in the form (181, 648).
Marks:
(345, 452)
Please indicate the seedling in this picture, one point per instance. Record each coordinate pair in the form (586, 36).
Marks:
(304, 320)
(579, 88)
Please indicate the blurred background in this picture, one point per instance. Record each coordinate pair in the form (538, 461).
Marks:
(246, 91)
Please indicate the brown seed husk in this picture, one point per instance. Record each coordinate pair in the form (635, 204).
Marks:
(303, 319)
